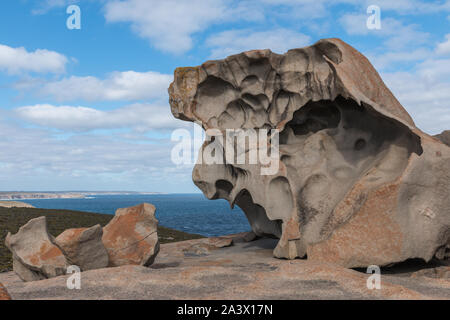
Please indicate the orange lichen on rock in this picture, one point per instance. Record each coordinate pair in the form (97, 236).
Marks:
(34, 252)
(131, 236)
(4, 293)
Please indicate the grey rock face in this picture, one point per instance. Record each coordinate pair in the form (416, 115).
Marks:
(35, 256)
(84, 247)
(444, 136)
(358, 183)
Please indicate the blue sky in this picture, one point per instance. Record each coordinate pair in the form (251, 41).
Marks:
(88, 109)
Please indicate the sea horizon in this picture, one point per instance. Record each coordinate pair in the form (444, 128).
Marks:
(188, 212)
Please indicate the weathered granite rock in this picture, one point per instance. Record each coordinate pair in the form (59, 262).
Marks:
(203, 247)
(218, 242)
(35, 256)
(239, 272)
(442, 272)
(84, 248)
(444, 136)
(250, 236)
(131, 236)
(358, 183)
(4, 293)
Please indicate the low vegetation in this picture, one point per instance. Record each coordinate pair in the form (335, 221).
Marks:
(11, 219)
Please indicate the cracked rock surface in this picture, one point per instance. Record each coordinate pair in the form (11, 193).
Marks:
(83, 247)
(131, 236)
(358, 183)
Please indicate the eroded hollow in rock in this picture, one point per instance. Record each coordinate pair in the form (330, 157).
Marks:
(326, 148)
(330, 145)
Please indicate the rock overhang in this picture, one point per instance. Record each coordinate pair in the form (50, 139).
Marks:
(328, 102)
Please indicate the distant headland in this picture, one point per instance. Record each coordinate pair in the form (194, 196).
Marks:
(19, 195)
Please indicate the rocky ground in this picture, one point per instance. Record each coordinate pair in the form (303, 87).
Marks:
(197, 269)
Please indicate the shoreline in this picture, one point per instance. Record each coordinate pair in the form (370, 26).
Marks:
(14, 196)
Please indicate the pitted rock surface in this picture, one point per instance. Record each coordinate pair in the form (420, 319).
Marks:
(358, 183)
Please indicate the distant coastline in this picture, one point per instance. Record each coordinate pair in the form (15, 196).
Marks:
(15, 204)
(17, 195)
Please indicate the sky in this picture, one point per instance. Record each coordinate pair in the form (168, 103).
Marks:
(87, 108)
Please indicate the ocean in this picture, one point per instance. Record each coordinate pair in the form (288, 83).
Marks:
(191, 213)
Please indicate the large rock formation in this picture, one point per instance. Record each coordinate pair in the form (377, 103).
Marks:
(35, 255)
(358, 183)
(84, 248)
(131, 236)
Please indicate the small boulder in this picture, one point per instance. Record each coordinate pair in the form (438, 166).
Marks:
(131, 236)
(204, 246)
(3, 293)
(35, 256)
(197, 250)
(84, 248)
(249, 236)
(219, 242)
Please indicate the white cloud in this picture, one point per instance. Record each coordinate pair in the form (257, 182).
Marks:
(38, 159)
(396, 34)
(167, 24)
(410, 6)
(444, 47)
(354, 23)
(425, 93)
(435, 70)
(236, 41)
(139, 117)
(407, 7)
(393, 58)
(305, 9)
(47, 5)
(19, 60)
(128, 85)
